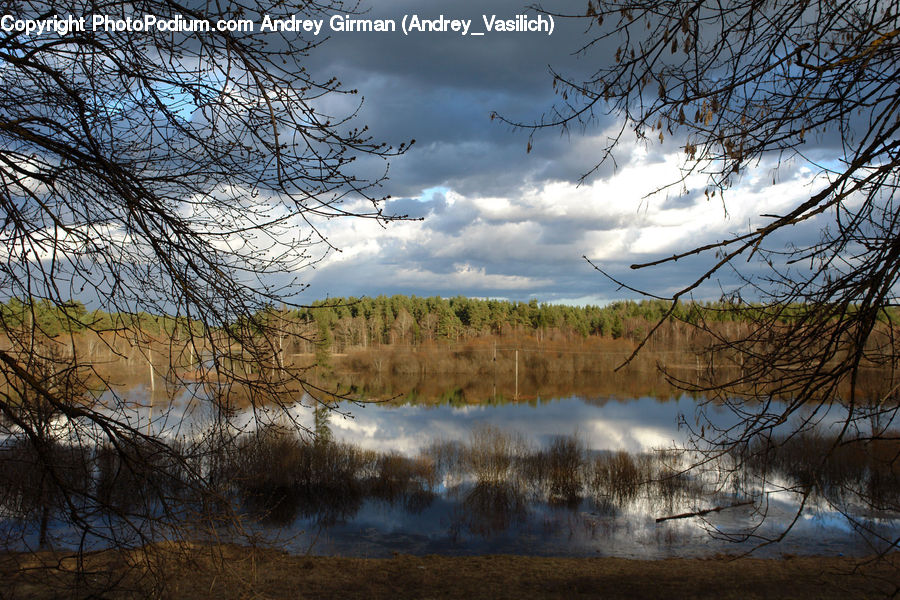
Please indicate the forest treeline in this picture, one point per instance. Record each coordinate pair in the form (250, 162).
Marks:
(338, 324)
(410, 320)
(403, 339)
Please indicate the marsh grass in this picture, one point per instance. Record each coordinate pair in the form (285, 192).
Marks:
(857, 470)
(618, 476)
(496, 478)
(25, 487)
(491, 507)
(493, 454)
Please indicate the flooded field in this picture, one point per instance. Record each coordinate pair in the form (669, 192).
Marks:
(559, 477)
(467, 470)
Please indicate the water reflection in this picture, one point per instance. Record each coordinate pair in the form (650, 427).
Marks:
(495, 492)
(570, 476)
(636, 425)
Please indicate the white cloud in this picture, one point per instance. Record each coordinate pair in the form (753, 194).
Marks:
(530, 243)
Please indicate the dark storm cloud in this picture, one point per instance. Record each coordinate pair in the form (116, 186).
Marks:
(495, 221)
(441, 88)
(512, 63)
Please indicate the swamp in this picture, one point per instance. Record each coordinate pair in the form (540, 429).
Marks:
(598, 463)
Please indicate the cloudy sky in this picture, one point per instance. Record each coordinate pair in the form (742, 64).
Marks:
(498, 221)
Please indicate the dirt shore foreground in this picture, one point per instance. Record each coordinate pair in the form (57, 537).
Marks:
(240, 572)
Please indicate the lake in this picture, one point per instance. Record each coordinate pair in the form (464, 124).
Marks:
(516, 516)
(466, 471)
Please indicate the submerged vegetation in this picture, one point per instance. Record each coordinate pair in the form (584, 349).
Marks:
(493, 481)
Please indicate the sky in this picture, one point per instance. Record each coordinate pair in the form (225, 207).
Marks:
(494, 220)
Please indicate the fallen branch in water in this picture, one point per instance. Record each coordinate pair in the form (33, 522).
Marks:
(700, 513)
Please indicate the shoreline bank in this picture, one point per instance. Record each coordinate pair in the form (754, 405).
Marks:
(228, 571)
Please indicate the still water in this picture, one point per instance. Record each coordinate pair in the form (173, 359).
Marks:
(580, 475)
(463, 514)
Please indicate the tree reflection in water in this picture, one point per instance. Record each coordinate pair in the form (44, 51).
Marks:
(493, 485)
